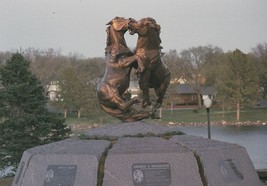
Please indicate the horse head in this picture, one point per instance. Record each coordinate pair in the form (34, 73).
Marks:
(115, 35)
(148, 32)
(143, 26)
(119, 24)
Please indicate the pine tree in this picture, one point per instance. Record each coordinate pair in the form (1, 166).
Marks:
(25, 121)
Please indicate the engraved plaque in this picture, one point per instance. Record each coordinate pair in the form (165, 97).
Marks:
(151, 174)
(230, 170)
(60, 175)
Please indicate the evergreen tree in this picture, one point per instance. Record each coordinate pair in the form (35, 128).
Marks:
(25, 121)
(259, 56)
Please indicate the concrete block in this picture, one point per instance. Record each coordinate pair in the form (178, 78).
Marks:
(150, 161)
(70, 162)
(221, 163)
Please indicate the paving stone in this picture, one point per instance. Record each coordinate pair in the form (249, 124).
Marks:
(70, 162)
(221, 163)
(150, 161)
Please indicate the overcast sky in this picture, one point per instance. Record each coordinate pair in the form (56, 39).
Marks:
(79, 25)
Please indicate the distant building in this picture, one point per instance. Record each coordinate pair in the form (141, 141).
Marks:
(52, 90)
(134, 89)
(186, 95)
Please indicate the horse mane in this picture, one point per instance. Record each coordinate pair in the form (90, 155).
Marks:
(154, 26)
(124, 50)
(108, 41)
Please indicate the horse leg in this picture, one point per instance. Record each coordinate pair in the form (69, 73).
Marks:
(157, 105)
(126, 62)
(143, 84)
(146, 99)
(110, 97)
(160, 92)
(127, 105)
(122, 104)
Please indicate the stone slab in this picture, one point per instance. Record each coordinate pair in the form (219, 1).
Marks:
(150, 161)
(221, 163)
(71, 162)
(129, 129)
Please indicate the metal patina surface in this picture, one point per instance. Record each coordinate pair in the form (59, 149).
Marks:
(120, 60)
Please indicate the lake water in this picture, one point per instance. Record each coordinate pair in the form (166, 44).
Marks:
(253, 138)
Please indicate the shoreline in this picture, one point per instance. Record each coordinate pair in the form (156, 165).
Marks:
(218, 123)
(84, 127)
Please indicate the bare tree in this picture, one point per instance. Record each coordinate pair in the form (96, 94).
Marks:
(46, 64)
(194, 65)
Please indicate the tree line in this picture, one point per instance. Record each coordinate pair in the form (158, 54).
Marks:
(239, 79)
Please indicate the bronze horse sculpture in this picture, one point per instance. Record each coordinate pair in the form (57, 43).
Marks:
(119, 61)
(156, 74)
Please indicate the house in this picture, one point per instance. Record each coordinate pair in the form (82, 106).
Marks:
(51, 90)
(186, 95)
(134, 89)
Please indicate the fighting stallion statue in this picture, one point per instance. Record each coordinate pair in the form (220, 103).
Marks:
(156, 74)
(119, 62)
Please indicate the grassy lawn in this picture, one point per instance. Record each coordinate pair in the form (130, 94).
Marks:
(216, 115)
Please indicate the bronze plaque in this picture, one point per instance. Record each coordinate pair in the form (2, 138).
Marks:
(230, 170)
(151, 174)
(63, 175)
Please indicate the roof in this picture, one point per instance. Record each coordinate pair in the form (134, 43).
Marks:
(207, 91)
(186, 89)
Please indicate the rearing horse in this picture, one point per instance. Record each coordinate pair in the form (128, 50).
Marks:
(156, 74)
(119, 63)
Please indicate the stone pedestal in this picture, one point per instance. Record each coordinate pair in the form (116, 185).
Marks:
(221, 163)
(136, 154)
